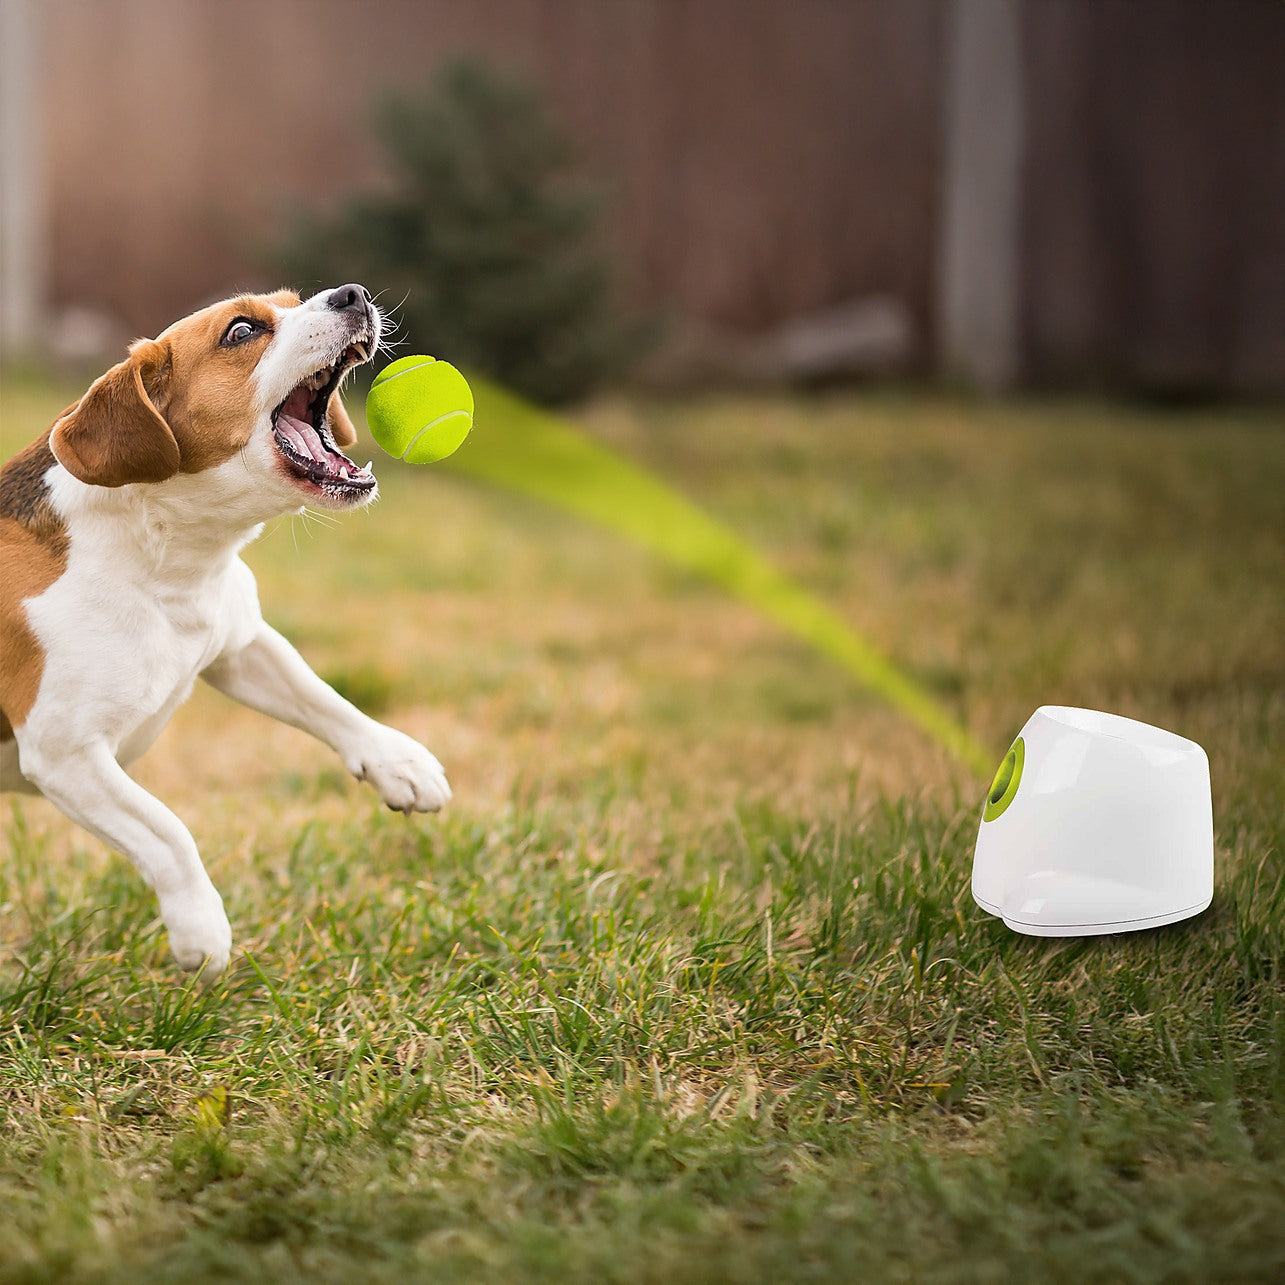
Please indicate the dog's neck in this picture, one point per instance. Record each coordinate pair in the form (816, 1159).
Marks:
(180, 532)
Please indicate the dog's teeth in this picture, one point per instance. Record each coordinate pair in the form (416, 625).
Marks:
(368, 466)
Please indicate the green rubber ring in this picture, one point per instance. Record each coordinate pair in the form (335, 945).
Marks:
(1004, 786)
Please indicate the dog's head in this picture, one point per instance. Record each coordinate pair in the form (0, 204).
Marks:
(250, 383)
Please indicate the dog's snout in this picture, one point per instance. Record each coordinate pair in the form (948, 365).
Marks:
(349, 298)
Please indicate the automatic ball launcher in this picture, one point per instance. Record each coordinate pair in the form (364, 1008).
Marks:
(1094, 824)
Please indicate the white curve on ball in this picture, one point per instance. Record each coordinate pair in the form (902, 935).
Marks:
(381, 381)
(433, 423)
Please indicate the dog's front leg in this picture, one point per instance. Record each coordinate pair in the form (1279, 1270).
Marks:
(91, 788)
(270, 676)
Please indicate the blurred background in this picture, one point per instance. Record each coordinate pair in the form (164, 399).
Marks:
(1008, 192)
(969, 313)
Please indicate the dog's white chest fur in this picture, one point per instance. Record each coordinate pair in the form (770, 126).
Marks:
(152, 605)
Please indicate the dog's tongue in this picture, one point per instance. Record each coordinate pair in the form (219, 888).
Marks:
(292, 423)
(303, 437)
(306, 443)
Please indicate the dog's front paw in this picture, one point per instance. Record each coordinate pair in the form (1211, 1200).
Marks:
(405, 775)
(200, 935)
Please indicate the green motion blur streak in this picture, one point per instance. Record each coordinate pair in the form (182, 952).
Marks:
(529, 450)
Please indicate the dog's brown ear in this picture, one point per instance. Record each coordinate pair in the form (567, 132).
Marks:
(341, 428)
(115, 435)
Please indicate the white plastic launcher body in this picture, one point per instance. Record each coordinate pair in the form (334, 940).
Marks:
(1095, 824)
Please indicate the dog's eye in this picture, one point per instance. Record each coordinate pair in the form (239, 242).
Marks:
(239, 331)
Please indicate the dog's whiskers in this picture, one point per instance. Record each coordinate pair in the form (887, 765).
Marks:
(388, 312)
(324, 518)
(389, 325)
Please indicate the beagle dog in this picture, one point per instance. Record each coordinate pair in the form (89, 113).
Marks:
(121, 580)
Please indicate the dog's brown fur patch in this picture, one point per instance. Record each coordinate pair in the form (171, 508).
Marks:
(206, 392)
(115, 435)
(179, 403)
(33, 554)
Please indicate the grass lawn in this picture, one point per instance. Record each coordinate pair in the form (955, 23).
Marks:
(687, 984)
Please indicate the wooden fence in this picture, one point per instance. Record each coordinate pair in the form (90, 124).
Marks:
(762, 158)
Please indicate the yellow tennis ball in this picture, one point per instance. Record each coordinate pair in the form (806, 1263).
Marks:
(420, 409)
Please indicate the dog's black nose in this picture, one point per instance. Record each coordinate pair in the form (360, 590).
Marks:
(349, 298)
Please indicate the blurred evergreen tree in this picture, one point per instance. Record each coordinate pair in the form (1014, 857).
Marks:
(485, 233)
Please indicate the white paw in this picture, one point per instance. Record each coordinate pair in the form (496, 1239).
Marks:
(200, 935)
(405, 775)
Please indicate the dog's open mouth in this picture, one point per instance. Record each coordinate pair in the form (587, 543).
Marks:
(303, 437)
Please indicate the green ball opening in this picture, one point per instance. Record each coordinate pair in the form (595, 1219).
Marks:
(1007, 778)
(1003, 777)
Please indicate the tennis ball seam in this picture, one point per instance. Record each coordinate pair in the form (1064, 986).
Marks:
(441, 419)
(384, 378)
